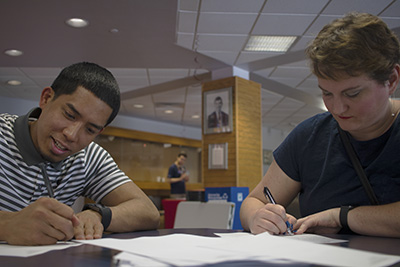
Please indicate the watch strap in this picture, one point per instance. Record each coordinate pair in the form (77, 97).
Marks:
(104, 211)
(344, 211)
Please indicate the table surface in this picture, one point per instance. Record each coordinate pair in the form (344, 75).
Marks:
(89, 255)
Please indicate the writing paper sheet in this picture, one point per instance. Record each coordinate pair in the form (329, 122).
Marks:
(191, 250)
(28, 251)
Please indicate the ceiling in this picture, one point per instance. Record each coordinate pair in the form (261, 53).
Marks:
(161, 50)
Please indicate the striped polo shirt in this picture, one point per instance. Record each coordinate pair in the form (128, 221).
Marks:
(90, 172)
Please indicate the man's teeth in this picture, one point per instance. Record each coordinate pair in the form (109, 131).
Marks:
(59, 146)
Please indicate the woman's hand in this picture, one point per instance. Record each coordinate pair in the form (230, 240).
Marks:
(271, 218)
(325, 222)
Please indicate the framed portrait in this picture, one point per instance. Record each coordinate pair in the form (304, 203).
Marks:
(217, 111)
(218, 156)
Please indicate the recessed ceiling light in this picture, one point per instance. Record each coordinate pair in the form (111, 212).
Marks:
(138, 106)
(77, 22)
(13, 52)
(269, 43)
(168, 111)
(14, 82)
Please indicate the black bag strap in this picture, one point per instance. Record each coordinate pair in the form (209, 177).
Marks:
(357, 166)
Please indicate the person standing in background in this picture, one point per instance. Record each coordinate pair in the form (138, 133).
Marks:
(178, 176)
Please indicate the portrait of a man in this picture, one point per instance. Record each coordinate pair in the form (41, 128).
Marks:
(218, 111)
(218, 118)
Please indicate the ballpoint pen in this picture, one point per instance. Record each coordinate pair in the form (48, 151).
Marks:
(269, 196)
(46, 180)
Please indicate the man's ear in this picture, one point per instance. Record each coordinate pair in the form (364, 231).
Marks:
(46, 96)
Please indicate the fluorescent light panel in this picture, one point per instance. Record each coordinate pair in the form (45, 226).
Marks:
(269, 43)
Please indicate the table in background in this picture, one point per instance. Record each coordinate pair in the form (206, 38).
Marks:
(89, 255)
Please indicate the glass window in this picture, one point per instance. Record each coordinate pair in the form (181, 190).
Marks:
(150, 161)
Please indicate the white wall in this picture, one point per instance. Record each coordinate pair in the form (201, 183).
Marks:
(271, 139)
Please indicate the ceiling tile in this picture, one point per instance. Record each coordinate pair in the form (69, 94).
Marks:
(264, 72)
(225, 23)
(187, 22)
(296, 7)
(290, 72)
(392, 11)
(48, 72)
(189, 5)
(231, 5)
(392, 22)
(226, 57)
(185, 40)
(282, 24)
(245, 56)
(221, 42)
(341, 7)
(301, 43)
(319, 23)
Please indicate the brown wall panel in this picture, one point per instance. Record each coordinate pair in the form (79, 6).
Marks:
(244, 142)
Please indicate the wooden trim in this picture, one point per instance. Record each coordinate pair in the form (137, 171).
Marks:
(152, 137)
(165, 186)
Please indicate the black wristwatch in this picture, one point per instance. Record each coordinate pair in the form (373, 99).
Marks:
(104, 211)
(344, 210)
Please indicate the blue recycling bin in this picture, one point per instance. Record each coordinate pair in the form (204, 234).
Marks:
(230, 194)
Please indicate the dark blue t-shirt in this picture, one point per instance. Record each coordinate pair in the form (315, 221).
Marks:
(314, 155)
(177, 187)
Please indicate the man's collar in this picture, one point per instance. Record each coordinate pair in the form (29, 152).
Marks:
(24, 140)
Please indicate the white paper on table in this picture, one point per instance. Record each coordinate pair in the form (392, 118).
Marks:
(189, 250)
(28, 251)
(317, 239)
(167, 250)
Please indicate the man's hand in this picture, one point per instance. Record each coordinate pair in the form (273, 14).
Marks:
(44, 222)
(90, 226)
(185, 177)
(325, 222)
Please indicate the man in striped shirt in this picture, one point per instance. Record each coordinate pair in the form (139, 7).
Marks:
(48, 159)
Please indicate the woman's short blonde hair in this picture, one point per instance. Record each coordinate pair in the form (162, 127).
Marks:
(356, 44)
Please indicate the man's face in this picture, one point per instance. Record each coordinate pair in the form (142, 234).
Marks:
(218, 105)
(181, 160)
(68, 123)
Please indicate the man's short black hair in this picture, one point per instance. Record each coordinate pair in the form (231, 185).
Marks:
(92, 77)
(182, 154)
(218, 98)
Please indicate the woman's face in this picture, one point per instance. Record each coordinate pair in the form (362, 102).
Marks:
(359, 104)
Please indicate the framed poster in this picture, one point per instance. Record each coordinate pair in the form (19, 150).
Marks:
(218, 156)
(218, 111)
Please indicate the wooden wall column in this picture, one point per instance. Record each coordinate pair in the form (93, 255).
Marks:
(245, 140)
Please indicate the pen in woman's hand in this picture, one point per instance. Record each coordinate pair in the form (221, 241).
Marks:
(269, 196)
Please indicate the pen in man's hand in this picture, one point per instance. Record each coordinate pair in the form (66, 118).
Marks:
(46, 180)
(269, 196)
